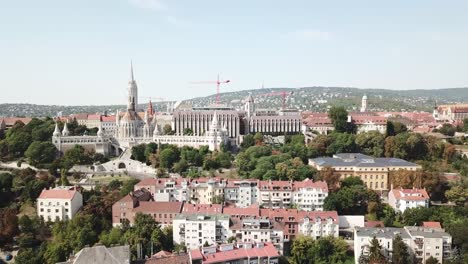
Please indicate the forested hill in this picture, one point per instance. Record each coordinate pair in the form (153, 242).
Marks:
(306, 98)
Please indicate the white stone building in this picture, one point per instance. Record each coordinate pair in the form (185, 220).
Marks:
(242, 193)
(197, 229)
(259, 231)
(306, 195)
(402, 199)
(60, 203)
(422, 242)
(317, 226)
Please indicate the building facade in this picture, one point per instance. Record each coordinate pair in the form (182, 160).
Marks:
(198, 229)
(372, 171)
(58, 204)
(402, 199)
(422, 242)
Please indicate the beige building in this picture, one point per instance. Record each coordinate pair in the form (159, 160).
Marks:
(372, 171)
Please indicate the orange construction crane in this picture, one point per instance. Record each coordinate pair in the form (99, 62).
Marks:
(217, 82)
(283, 94)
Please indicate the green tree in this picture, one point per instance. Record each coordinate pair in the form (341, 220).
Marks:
(457, 194)
(40, 153)
(188, 132)
(447, 129)
(76, 156)
(167, 130)
(167, 158)
(180, 166)
(400, 251)
(128, 186)
(138, 152)
(258, 138)
(375, 252)
(342, 143)
(431, 260)
(351, 181)
(112, 237)
(6, 181)
(371, 143)
(339, 118)
(248, 141)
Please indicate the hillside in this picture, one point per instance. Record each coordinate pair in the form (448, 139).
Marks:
(306, 98)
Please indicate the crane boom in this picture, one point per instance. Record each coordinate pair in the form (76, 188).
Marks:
(218, 84)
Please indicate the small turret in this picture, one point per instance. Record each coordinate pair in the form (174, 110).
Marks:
(65, 131)
(57, 131)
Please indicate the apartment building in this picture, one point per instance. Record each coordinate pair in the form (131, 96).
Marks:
(422, 242)
(309, 195)
(372, 171)
(60, 203)
(402, 199)
(259, 231)
(205, 190)
(162, 212)
(295, 222)
(240, 253)
(306, 195)
(242, 193)
(122, 210)
(197, 229)
(173, 189)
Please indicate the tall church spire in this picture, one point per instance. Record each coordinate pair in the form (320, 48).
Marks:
(131, 71)
(132, 100)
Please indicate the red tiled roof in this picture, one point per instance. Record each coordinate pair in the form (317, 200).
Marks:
(108, 118)
(202, 208)
(307, 183)
(80, 116)
(410, 194)
(357, 119)
(374, 224)
(94, 117)
(57, 194)
(10, 121)
(165, 207)
(252, 211)
(267, 250)
(432, 224)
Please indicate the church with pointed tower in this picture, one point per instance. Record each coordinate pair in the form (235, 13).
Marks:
(133, 127)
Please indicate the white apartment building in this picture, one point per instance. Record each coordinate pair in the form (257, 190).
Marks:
(422, 242)
(60, 203)
(195, 230)
(306, 195)
(166, 189)
(259, 231)
(319, 226)
(309, 195)
(402, 199)
(242, 193)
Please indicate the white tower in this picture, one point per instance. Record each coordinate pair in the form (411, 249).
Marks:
(132, 102)
(65, 131)
(249, 106)
(57, 131)
(364, 104)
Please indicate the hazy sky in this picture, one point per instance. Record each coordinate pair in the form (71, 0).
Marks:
(79, 51)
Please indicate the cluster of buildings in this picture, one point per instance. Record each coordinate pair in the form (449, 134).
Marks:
(250, 221)
(200, 224)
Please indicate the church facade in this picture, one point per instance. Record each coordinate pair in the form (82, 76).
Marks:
(134, 128)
